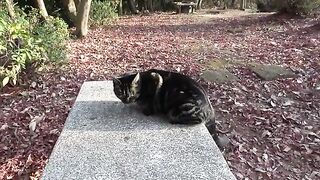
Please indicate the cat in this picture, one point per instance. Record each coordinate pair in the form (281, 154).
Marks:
(176, 95)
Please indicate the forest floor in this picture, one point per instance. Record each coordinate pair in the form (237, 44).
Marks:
(273, 126)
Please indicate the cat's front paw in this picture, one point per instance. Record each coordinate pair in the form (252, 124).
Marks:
(147, 112)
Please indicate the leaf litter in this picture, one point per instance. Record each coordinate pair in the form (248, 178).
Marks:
(273, 126)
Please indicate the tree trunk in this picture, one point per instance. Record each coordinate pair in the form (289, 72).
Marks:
(76, 3)
(120, 8)
(70, 7)
(243, 4)
(42, 8)
(83, 17)
(150, 7)
(158, 5)
(132, 6)
(199, 4)
(10, 9)
(233, 4)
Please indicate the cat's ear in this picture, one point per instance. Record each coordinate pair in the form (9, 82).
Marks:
(136, 80)
(116, 81)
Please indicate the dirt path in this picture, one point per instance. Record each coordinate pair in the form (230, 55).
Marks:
(272, 137)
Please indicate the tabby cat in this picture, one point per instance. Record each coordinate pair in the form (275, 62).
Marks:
(178, 96)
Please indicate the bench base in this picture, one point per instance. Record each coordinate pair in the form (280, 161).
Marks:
(185, 7)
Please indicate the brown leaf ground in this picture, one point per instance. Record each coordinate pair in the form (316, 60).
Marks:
(278, 140)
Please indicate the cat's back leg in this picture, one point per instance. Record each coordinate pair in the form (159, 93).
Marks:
(179, 116)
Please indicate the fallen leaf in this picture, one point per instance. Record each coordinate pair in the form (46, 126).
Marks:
(35, 120)
(265, 157)
(273, 43)
(288, 103)
(287, 148)
(29, 161)
(260, 170)
(32, 126)
(314, 174)
(4, 127)
(266, 87)
(310, 133)
(5, 81)
(54, 131)
(25, 110)
(224, 111)
(238, 104)
(272, 104)
(266, 133)
(33, 84)
(24, 93)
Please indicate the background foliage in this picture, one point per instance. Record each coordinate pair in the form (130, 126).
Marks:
(28, 42)
(298, 7)
(103, 11)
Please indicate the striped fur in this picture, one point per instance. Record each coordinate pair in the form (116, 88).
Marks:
(178, 96)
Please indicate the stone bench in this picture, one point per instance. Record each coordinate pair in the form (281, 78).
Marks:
(105, 139)
(185, 7)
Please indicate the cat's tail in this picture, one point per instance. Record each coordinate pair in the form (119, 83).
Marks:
(222, 142)
(212, 128)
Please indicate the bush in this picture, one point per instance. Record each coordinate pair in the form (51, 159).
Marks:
(103, 12)
(266, 5)
(28, 42)
(298, 7)
(53, 34)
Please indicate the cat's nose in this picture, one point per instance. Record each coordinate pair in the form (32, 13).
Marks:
(129, 99)
(125, 101)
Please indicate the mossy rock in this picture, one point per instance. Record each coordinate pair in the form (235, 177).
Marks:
(219, 76)
(218, 64)
(271, 72)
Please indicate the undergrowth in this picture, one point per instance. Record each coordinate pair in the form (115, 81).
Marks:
(29, 41)
(103, 12)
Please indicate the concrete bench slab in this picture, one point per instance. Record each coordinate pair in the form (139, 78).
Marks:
(105, 139)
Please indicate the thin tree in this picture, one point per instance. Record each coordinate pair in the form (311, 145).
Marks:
(150, 5)
(83, 10)
(243, 4)
(70, 7)
(199, 4)
(132, 6)
(233, 3)
(120, 7)
(42, 8)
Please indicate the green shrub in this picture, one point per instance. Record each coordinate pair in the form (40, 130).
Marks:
(28, 42)
(19, 48)
(103, 12)
(53, 34)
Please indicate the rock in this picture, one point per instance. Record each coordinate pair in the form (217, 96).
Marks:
(271, 72)
(219, 64)
(219, 76)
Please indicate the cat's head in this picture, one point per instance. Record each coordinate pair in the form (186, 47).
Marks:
(127, 88)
